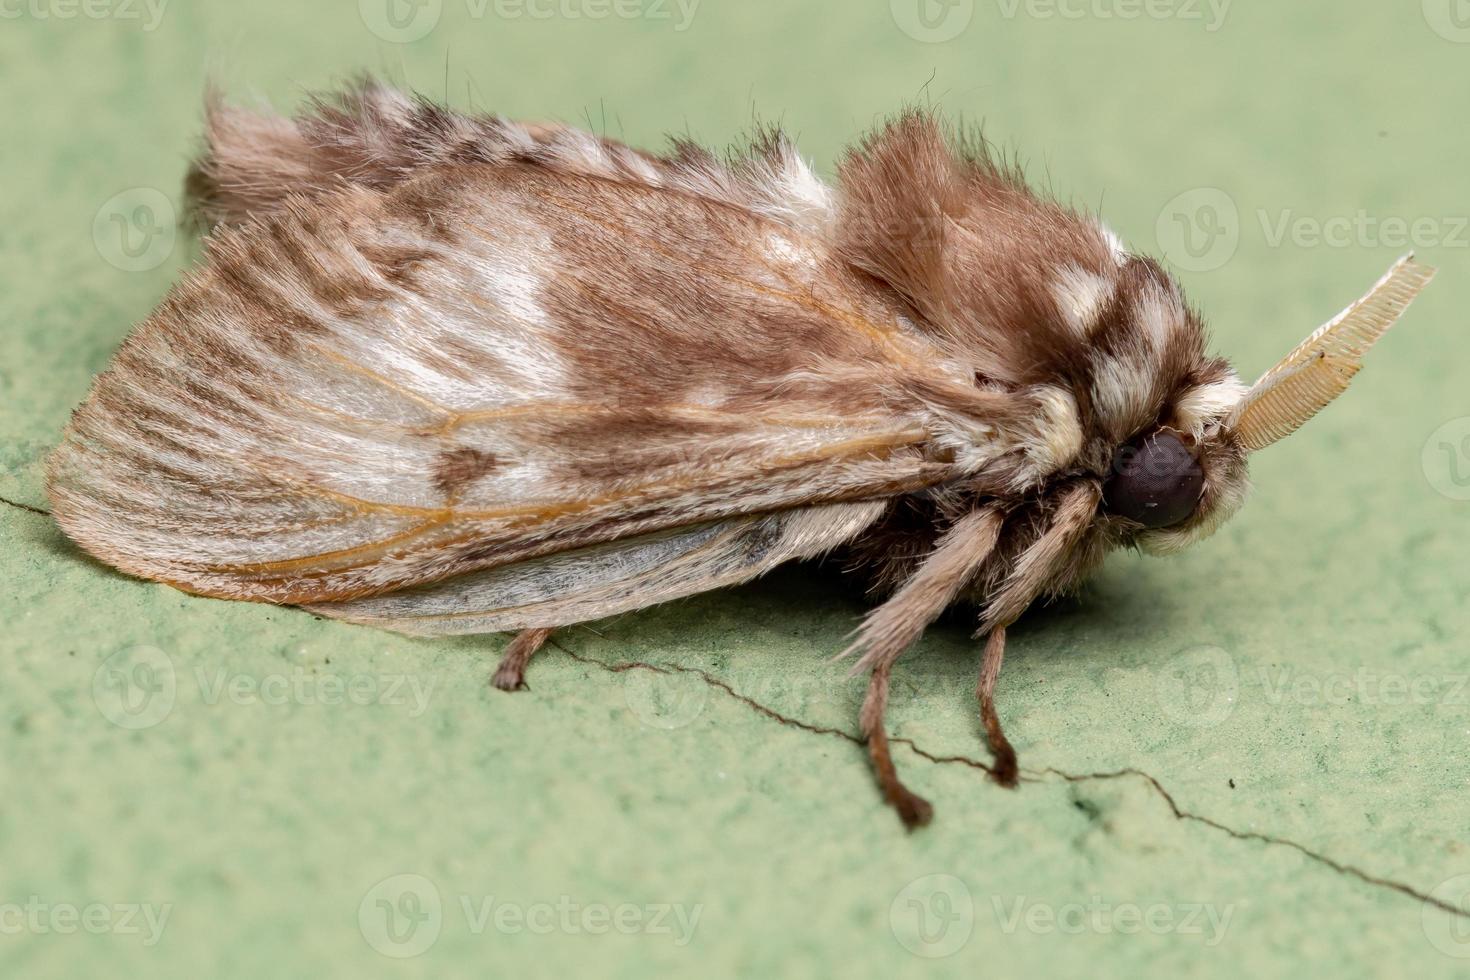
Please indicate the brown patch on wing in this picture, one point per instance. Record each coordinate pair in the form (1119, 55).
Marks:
(457, 468)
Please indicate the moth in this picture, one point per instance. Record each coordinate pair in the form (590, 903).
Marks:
(445, 373)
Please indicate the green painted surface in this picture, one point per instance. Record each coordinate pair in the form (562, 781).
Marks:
(254, 779)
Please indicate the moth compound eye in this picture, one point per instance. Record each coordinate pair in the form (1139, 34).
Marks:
(1154, 481)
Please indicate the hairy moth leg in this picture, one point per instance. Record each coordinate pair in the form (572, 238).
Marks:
(1006, 768)
(913, 809)
(1042, 561)
(511, 674)
(893, 627)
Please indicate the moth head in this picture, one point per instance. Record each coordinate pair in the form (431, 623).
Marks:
(1176, 482)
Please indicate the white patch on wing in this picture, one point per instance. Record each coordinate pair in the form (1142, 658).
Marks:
(796, 194)
(805, 187)
(517, 290)
(517, 135)
(787, 252)
(707, 396)
(518, 481)
(581, 149)
(1081, 296)
(638, 165)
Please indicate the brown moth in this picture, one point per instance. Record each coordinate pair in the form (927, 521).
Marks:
(445, 373)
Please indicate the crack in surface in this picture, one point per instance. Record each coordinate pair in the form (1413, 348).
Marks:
(1250, 835)
(25, 507)
(1153, 783)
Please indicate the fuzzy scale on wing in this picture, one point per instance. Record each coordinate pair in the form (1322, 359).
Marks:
(490, 362)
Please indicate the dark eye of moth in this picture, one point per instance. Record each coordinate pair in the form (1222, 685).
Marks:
(1154, 480)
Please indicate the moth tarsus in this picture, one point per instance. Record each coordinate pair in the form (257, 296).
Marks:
(510, 675)
(1006, 769)
(447, 373)
(913, 809)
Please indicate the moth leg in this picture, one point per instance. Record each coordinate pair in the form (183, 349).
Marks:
(893, 627)
(913, 810)
(511, 674)
(1006, 770)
